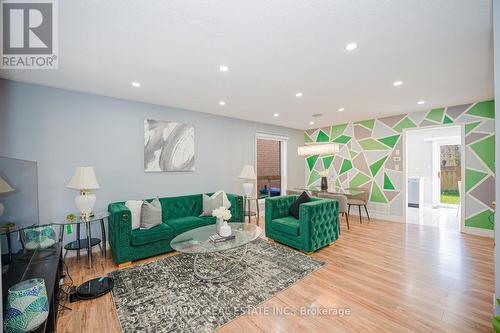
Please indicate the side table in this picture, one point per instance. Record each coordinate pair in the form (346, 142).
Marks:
(80, 243)
(247, 208)
(7, 258)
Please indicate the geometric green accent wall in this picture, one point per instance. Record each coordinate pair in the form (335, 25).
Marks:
(370, 149)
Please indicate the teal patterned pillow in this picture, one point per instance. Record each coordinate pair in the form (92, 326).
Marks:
(39, 237)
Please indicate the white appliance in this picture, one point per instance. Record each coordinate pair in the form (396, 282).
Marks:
(416, 192)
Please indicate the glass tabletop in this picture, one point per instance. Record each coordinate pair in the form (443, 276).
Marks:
(197, 241)
(96, 217)
(8, 229)
(332, 190)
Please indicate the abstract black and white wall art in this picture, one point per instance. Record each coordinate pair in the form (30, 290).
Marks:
(168, 146)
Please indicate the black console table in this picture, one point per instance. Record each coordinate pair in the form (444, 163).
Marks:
(41, 263)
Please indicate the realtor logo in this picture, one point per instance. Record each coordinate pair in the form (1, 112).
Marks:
(29, 34)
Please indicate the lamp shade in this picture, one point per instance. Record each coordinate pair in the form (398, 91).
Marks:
(4, 186)
(83, 179)
(248, 173)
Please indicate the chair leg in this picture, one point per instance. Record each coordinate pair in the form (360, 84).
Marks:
(338, 224)
(360, 219)
(347, 220)
(366, 210)
(348, 210)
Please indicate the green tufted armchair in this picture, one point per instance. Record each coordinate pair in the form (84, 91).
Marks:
(316, 227)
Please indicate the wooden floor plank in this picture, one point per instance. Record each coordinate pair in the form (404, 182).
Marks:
(392, 277)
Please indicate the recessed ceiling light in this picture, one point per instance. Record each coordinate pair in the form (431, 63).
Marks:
(351, 46)
(420, 102)
(311, 123)
(276, 115)
(299, 94)
(397, 83)
(222, 103)
(223, 68)
(136, 84)
(341, 109)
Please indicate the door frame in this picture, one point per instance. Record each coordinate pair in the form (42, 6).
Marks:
(283, 140)
(462, 167)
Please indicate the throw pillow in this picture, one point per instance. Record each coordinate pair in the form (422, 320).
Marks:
(211, 203)
(225, 200)
(135, 212)
(150, 214)
(295, 207)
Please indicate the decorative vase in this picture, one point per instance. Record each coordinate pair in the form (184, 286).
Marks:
(218, 224)
(39, 237)
(225, 230)
(27, 306)
(324, 184)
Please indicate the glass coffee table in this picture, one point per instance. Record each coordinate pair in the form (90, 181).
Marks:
(217, 262)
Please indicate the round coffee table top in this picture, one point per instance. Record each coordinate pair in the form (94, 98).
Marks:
(197, 241)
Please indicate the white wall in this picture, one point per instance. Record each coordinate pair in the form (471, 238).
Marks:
(62, 129)
(496, 50)
(419, 154)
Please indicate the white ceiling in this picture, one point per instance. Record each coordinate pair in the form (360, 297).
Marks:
(441, 50)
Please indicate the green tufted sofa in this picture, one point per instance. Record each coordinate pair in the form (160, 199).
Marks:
(317, 226)
(179, 214)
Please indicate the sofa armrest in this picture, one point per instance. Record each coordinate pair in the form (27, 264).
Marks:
(119, 228)
(317, 217)
(236, 207)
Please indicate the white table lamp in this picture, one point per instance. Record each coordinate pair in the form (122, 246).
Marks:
(84, 180)
(248, 174)
(4, 188)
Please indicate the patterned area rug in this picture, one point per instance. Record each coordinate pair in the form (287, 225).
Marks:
(163, 296)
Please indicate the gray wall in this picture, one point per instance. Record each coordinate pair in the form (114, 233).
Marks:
(62, 129)
(496, 50)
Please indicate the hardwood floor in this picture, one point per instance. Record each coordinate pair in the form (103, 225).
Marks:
(391, 277)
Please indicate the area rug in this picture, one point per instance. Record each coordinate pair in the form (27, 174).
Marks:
(163, 296)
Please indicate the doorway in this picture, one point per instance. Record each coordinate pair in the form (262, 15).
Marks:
(433, 173)
(448, 163)
(271, 164)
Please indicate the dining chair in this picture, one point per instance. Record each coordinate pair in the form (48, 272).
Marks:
(342, 199)
(298, 192)
(358, 200)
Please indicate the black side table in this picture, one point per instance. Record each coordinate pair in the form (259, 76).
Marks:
(247, 208)
(79, 243)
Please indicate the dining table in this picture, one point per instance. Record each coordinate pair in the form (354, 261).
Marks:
(331, 190)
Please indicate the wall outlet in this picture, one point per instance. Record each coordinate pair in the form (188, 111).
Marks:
(397, 151)
(397, 159)
(397, 167)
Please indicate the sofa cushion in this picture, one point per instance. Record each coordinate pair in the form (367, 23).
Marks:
(208, 219)
(183, 206)
(183, 224)
(295, 207)
(155, 234)
(288, 225)
(210, 203)
(150, 214)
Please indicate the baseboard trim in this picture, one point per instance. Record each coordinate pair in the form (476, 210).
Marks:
(479, 232)
(399, 219)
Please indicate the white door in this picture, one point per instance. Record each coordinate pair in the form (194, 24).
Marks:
(446, 172)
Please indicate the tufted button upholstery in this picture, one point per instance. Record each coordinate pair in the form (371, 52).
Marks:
(318, 222)
(179, 210)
